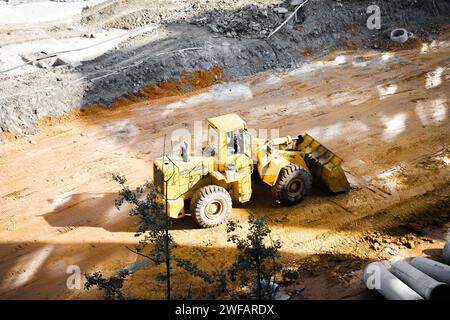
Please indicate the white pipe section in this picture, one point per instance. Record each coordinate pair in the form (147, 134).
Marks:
(377, 276)
(434, 269)
(423, 284)
(446, 252)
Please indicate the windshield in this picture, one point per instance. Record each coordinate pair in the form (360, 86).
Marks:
(235, 142)
(213, 139)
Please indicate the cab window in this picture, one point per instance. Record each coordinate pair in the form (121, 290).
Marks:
(235, 142)
(213, 139)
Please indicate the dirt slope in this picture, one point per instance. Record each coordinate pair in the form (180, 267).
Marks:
(385, 114)
(192, 35)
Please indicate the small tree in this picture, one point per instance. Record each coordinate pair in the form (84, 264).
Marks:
(154, 228)
(154, 225)
(218, 278)
(256, 261)
(111, 287)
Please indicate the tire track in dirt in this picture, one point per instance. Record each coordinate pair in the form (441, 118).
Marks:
(57, 191)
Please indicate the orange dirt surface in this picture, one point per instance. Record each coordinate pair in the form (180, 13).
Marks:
(184, 85)
(385, 114)
(186, 82)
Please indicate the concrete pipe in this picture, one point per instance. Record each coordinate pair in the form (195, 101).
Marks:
(446, 252)
(434, 269)
(400, 35)
(377, 276)
(423, 284)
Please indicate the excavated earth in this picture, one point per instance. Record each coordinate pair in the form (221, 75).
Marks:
(185, 36)
(382, 107)
(384, 113)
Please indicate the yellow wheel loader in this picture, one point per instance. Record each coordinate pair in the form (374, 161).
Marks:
(223, 173)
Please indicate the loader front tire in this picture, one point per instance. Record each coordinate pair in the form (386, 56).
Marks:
(292, 185)
(210, 206)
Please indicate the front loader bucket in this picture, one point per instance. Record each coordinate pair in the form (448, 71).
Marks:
(324, 165)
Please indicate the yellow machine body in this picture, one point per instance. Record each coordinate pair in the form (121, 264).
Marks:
(228, 160)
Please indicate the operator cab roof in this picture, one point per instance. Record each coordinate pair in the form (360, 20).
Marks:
(228, 122)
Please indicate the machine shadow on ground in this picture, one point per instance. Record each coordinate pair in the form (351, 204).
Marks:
(40, 270)
(29, 270)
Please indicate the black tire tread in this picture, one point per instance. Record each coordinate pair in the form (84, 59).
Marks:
(201, 195)
(286, 174)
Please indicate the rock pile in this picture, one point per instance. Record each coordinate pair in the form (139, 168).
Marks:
(392, 244)
(250, 22)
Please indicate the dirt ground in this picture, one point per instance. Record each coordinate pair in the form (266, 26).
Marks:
(384, 112)
(161, 39)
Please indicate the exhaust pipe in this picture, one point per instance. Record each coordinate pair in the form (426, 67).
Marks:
(423, 284)
(446, 252)
(377, 276)
(185, 151)
(434, 269)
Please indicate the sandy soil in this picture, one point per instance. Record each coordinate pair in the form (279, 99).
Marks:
(37, 80)
(385, 114)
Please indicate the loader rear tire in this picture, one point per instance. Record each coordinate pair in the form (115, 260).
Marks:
(210, 206)
(292, 185)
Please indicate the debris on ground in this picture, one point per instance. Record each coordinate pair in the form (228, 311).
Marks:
(289, 275)
(392, 244)
(250, 22)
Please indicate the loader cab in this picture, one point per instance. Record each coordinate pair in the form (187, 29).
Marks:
(229, 142)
